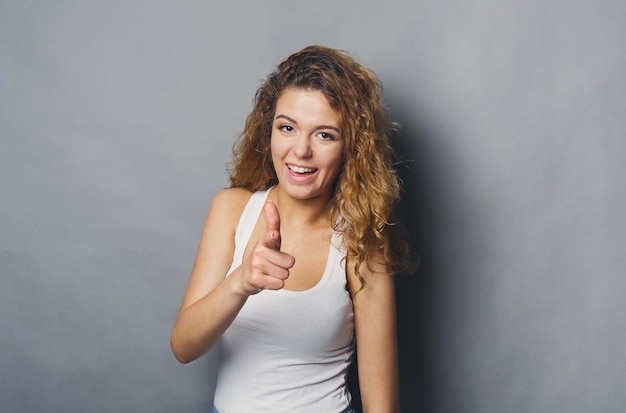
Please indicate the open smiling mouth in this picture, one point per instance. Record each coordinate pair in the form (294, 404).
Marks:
(300, 170)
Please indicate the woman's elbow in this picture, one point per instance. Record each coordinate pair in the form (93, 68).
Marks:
(179, 352)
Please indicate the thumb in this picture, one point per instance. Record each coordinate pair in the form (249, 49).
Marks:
(272, 220)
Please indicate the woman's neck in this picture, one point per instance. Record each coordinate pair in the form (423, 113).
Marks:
(297, 213)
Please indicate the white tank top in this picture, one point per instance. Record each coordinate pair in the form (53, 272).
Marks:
(287, 351)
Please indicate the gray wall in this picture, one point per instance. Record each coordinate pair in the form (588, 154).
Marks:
(116, 121)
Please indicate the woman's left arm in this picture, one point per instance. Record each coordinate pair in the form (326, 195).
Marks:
(375, 325)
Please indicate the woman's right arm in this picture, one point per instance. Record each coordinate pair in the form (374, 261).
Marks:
(212, 300)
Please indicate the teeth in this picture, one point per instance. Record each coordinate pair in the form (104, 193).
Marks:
(299, 169)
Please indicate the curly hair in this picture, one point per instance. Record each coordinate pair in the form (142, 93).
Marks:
(367, 186)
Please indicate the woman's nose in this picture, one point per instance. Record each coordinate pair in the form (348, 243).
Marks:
(302, 147)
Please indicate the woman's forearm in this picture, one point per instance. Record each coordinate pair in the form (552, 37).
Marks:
(200, 325)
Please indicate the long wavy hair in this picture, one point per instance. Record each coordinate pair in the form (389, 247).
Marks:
(367, 186)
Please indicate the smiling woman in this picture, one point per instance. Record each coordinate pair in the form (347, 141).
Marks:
(306, 145)
(296, 258)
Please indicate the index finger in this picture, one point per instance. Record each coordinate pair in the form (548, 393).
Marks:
(272, 220)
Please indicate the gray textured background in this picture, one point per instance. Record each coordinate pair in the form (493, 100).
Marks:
(117, 119)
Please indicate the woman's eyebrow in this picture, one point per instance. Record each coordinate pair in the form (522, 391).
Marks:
(286, 117)
(317, 127)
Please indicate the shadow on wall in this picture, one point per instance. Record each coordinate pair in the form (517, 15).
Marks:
(415, 293)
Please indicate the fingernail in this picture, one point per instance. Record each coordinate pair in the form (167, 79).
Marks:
(272, 236)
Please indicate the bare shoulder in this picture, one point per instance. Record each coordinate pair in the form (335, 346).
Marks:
(233, 196)
(229, 203)
(374, 273)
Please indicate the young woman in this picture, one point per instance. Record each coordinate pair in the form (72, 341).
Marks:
(296, 258)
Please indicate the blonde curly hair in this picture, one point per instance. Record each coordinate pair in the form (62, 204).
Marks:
(367, 186)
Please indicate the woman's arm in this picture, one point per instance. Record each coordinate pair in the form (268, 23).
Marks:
(211, 301)
(375, 324)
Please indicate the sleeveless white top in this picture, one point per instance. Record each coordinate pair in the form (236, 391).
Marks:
(287, 351)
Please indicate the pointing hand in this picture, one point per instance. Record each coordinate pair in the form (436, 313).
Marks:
(268, 267)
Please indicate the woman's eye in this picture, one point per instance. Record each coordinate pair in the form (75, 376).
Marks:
(287, 128)
(326, 136)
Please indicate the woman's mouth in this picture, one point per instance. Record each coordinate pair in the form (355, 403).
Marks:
(300, 170)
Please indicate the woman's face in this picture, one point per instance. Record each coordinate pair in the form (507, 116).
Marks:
(306, 144)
